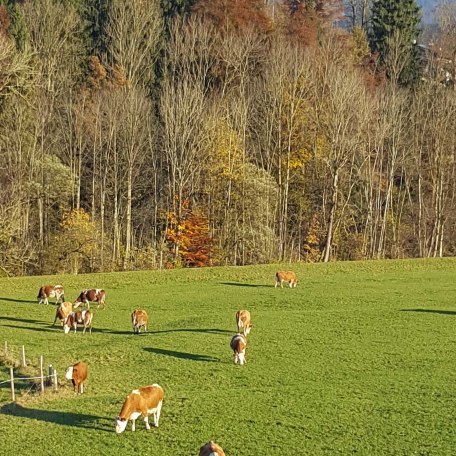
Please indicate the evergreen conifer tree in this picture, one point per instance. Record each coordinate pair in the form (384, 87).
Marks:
(17, 28)
(394, 35)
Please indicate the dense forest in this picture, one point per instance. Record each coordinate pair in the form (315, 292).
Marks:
(162, 134)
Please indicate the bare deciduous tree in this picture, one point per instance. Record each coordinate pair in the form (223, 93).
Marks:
(134, 30)
(183, 107)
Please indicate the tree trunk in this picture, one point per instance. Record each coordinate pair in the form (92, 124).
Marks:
(332, 216)
(128, 221)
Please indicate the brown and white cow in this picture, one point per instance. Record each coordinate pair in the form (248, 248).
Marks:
(243, 322)
(238, 344)
(63, 311)
(50, 291)
(94, 295)
(77, 374)
(81, 317)
(144, 401)
(211, 449)
(286, 276)
(139, 319)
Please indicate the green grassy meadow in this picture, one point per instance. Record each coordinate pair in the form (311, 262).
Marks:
(360, 358)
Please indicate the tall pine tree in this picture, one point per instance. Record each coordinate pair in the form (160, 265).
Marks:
(395, 32)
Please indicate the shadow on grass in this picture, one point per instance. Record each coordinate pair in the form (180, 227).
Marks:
(112, 331)
(183, 355)
(239, 284)
(23, 320)
(48, 327)
(63, 418)
(198, 330)
(21, 300)
(441, 312)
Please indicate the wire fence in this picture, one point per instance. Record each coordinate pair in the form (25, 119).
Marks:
(48, 379)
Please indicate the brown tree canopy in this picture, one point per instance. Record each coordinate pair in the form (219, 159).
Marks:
(238, 15)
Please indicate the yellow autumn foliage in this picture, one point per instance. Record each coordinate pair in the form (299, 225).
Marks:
(78, 231)
(225, 153)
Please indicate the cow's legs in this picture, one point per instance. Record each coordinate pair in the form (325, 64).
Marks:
(146, 422)
(157, 414)
(242, 358)
(133, 425)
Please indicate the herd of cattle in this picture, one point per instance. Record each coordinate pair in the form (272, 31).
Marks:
(147, 400)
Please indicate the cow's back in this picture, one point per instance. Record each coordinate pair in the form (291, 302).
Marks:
(142, 400)
(152, 395)
(139, 317)
(211, 449)
(63, 311)
(238, 343)
(80, 371)
(243, 316)
(44, 291)
(286, 276)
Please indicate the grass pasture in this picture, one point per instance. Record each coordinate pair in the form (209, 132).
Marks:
(360, 358)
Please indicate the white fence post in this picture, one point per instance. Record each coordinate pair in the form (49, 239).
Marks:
(13, 396)
(42, 374)
(45, 380)
(55, 380)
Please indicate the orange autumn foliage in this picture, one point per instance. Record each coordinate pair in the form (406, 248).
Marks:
(192, 236)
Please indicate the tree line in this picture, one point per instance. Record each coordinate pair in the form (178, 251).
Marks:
(157, 133)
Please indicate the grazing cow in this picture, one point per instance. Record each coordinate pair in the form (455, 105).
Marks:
(63, 311)
(81, 317)
(286, 276)
(238, 344)
(144, 401)
(139, 319)
(243, 321)
(50, 291)
(94, 295)
(77, 374)
(211, 449)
